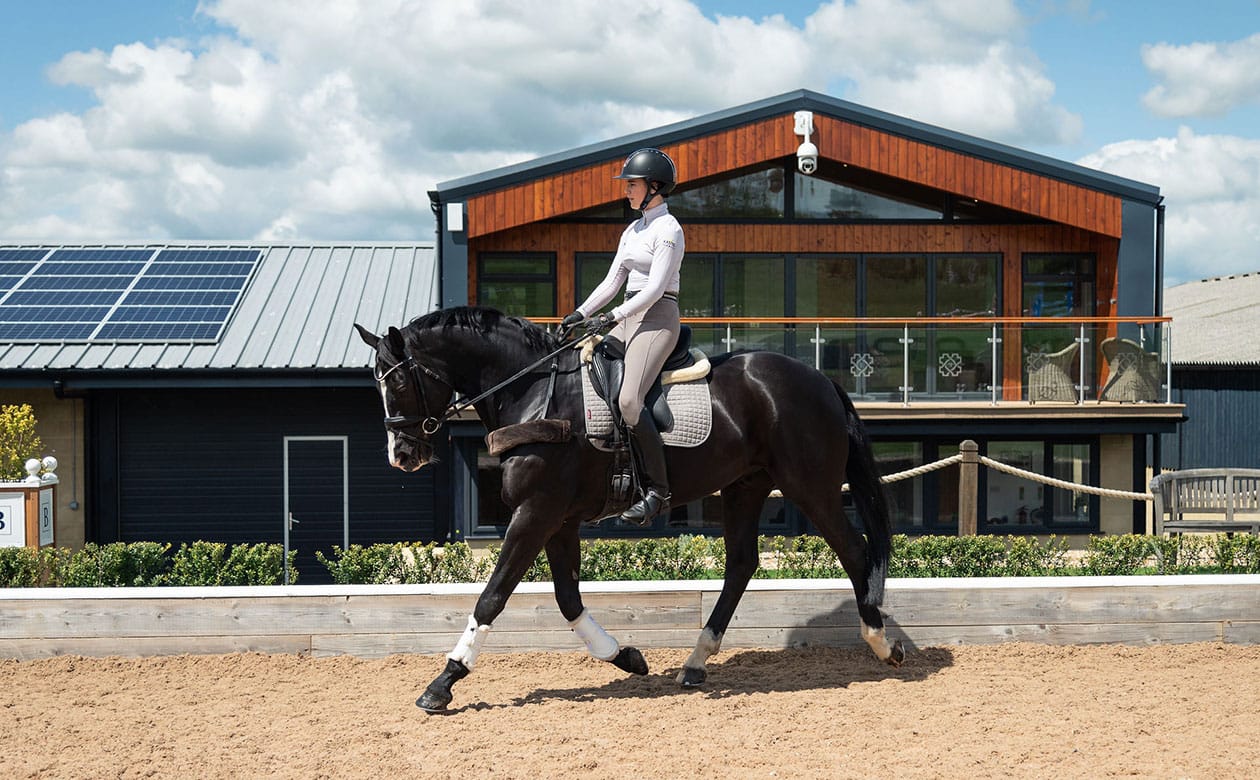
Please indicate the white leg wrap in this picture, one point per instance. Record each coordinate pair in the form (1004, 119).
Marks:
(706, 647)
(598, 641)
(469, 645)
(878, 642)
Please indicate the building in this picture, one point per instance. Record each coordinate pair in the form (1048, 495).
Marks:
(960, 289)
(1215, 373)
(216, 392)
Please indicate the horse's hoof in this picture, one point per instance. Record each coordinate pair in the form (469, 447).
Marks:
(630, 660)
(897, 655)
(433, 702)
(692, 678)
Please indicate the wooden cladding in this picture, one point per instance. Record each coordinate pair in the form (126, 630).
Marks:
(845, 142)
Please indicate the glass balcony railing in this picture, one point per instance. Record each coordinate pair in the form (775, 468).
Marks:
(940, 359)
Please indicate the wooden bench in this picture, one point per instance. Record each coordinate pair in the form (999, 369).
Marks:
(1222, 500)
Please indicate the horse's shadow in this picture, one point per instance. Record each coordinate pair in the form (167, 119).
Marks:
(747, 672)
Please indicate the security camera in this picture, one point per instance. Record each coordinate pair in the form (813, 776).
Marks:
(807, 158)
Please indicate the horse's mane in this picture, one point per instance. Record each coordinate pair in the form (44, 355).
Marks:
(485, 321)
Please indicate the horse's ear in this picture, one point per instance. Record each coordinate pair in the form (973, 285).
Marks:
(396, 340)
(369, 338)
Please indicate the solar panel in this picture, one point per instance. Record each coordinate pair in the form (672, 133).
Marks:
(121, 295)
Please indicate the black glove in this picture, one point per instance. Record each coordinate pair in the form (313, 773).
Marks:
(600, 323)
(568, 323)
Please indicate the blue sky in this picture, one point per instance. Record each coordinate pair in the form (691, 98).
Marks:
(236, 119)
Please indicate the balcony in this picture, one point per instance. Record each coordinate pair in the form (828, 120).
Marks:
(1110, 366)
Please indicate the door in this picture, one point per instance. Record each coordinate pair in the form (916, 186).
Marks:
(316, 502)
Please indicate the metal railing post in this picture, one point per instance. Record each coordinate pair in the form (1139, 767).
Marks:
(1080, 388)
(993, 367)
(905, 365)
(968, 487)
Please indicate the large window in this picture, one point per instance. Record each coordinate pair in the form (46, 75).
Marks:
(522, 284)
(1006, 504)
(1056, 286)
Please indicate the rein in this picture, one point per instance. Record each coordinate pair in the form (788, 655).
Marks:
(430, 425)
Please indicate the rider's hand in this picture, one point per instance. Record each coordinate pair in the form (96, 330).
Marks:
(569, 322)
(601, 323)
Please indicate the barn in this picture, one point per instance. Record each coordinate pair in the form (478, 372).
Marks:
(1215, 372)
(959, 288)
(216, 391)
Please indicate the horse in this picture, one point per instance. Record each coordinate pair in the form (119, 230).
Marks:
(777, 423)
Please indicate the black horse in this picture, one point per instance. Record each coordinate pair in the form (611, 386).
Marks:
(777, 423)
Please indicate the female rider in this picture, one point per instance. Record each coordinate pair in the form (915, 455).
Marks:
(647, 262)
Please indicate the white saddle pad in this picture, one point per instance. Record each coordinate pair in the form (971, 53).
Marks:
(689, 401)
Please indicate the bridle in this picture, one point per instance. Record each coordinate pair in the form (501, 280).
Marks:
(430, 424)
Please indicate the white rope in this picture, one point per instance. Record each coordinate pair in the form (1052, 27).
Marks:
(914, 472)
(921, 470)
(1000, 466)
(1105, 492)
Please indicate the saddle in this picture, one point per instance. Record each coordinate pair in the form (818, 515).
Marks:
(608, 371)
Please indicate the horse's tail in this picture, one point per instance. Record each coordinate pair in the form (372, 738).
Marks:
(868, 496)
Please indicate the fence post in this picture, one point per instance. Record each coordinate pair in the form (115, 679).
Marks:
(968, 487)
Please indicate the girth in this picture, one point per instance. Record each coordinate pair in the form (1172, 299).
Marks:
(608, 371)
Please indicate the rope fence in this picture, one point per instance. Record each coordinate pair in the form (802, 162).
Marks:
(970, 459)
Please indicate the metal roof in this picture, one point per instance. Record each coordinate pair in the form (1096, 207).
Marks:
(296, 314)
(1214, 321)
(799, 100)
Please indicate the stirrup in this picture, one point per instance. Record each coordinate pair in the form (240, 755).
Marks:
(646, 509)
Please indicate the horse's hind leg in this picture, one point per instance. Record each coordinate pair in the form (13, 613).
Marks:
(825, 509)
(564, 554)
(741, 508)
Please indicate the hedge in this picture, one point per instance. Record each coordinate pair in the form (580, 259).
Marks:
(681, 557)
(139, 564)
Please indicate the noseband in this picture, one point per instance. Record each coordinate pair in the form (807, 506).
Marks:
(428, 425)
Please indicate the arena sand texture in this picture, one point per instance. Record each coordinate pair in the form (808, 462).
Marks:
(1013, 710)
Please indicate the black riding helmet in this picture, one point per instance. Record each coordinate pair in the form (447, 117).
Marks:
(653, 165)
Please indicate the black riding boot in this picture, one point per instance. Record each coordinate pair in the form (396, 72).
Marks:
(647, 444)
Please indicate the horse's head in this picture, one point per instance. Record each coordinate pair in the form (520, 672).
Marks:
(413, 395)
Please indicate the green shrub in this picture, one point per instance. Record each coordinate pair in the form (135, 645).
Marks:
(799, 557)
(404, 563)
(1119, 555)
(455, 562)
(377, 564)
(22, 567)
(215, 563)
(1027, 556)
(1238, 554)
(119, 564)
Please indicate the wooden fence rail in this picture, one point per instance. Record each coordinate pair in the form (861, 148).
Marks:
(373, 621)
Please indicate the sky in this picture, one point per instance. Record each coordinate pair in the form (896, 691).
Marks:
(296, 120)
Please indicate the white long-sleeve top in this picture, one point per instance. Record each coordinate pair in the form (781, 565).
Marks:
(648, 261)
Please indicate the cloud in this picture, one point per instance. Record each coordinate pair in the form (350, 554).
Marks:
(1211, 186)
(1203, 79)
(332, 119)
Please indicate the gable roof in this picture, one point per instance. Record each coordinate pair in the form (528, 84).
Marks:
(1214, 321)
(757, 132)
(296, 314)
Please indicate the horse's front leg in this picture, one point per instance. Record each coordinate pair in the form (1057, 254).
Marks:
(522, 543)
(564, 554)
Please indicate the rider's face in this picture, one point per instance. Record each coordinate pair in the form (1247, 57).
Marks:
(636, 190)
